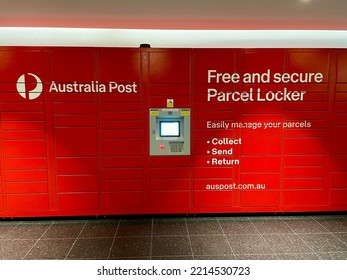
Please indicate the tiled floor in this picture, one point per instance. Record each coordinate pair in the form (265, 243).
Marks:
(222, 237)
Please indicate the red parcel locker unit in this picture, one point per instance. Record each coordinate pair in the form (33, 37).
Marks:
(266, 131)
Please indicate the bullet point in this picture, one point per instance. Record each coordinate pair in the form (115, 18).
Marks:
(208, 142)
(208, 152)
(208, 162)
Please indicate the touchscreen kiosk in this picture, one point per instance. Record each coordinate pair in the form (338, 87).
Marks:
(169, 131)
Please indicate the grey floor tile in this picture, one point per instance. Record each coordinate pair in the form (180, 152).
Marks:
(204, 227)
(27, 231)
(238, 227)
(210, 245)
(233, 218)
(15, 249)
(310, 256)
(254, 237)
(169, 227)
(324, 242)
(173, 258)
(333, 256)
(287, 244)
(99, 228)
(305, 226)
(64, 230)
(91, 248)
(132, 228)
(50, 249)
(252, 244)
(5, 228)
(256, 257)
(131, 258)
(218, 257)
(271, 226)
(137, 220)
(342, 237)
(333, 223)
(128, 247)
(170, 246)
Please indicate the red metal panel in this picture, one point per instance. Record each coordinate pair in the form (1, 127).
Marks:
(75, 120)
(72, 64)
(169, 173)
(83, 108)
(304, 146)
(169, 161)
(77, 183)
(23, 125)
(179, 101)
(77, 201)
(342, 68)
(26, 175)
(27, 202)
(307, 106)
(24, 134)
(70, 166)
(121, 147)
(169, 90)
(261, 108)
(20, 106)
(15, 63)
(26, 187)
(302, 198)
(338, 163)
(120, 126)
(121, 161)
(163, 184)
(169, 199)
(260, 62)
(120, 116)
(341, 87)
(119, 106)
(309, 62)
(338, 180)
(122, 134)
(306, 160)
(121, 173)
(338, 197)
(260, 198)
(169, 67)
(122, 200)
(76, 141)
(121, 66)
(25, 163)
(271, 181)
(71, 153)
(258, 142)
(303, 171)
(212, 172)
(204, 184)
(121, 185)
(213, 199)
(261, 164)
(24, 148)
(204, 60)
(339, 140)
(303, 183)
(340, 119)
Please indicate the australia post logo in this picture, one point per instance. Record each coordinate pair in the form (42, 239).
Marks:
(30, 86)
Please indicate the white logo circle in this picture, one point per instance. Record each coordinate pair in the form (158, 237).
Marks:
(31, 94)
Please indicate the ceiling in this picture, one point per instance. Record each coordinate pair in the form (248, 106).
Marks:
(177, 14)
